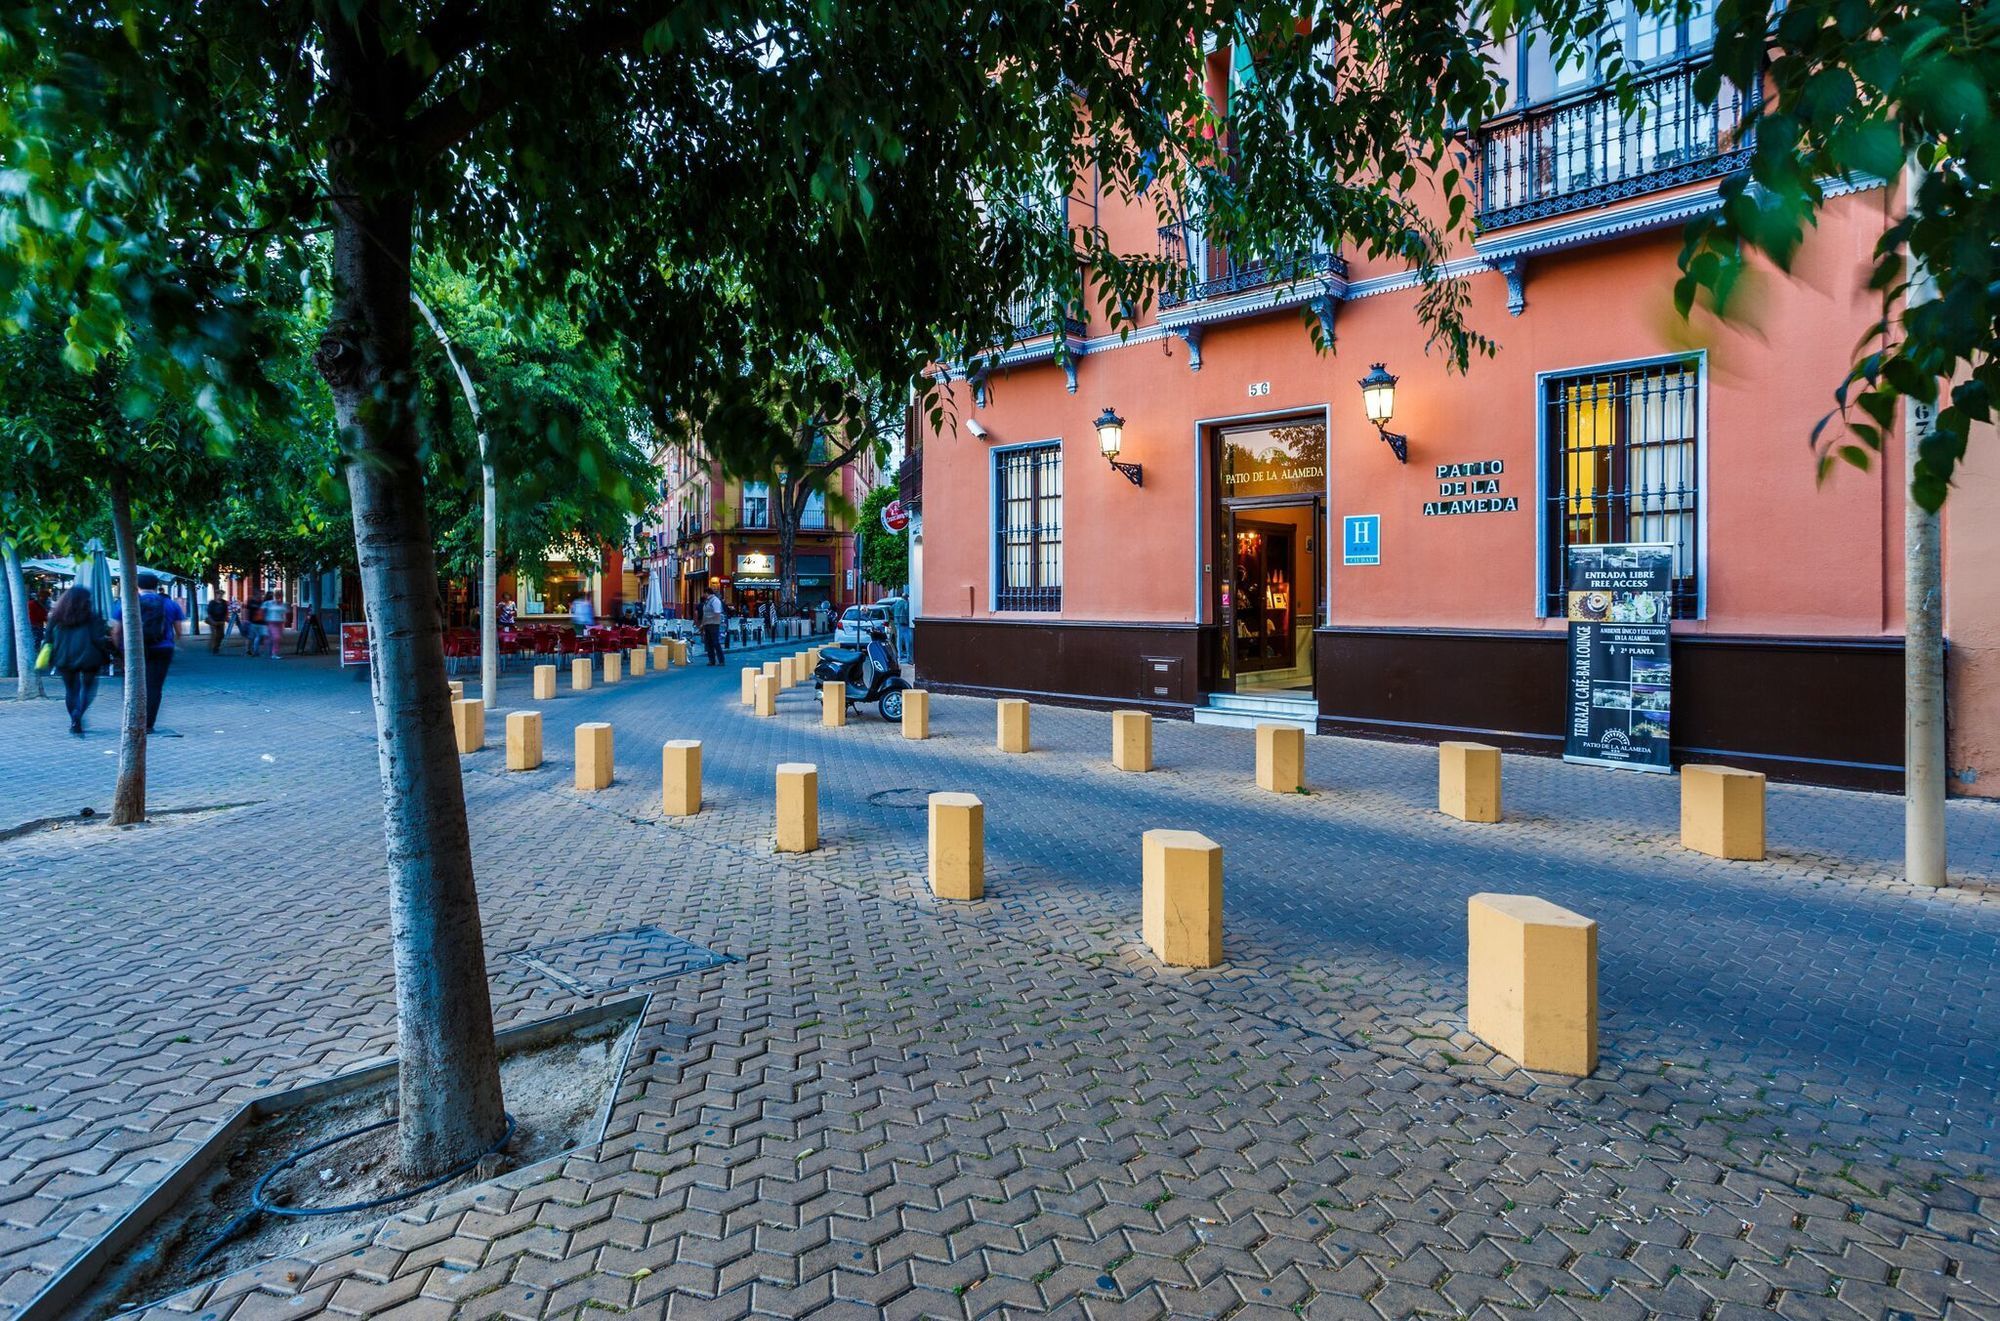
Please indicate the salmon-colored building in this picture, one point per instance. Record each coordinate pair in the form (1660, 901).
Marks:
(1261, 550)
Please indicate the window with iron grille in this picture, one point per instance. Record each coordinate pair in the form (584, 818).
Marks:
(1027, 522)
(1622, 467)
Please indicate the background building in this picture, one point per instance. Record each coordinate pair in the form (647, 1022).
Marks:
(1265, 554)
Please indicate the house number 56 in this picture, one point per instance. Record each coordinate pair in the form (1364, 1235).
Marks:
(1258, 389)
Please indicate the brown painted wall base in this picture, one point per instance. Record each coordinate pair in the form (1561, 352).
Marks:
(1816, 710)
(1145, 666)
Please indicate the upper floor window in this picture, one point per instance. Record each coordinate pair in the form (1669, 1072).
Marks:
(756, 504)
(815, 510)
(1531, 74)
(1027, 525)
(1621, 466)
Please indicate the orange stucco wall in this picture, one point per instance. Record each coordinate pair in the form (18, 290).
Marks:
(1785, 554)
(1972, 617)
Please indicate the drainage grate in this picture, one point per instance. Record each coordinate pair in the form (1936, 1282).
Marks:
(615, 960)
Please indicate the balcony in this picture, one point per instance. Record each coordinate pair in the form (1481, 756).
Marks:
(910, 479)
(1215, 271)
(1031, 317)
(1587, 150)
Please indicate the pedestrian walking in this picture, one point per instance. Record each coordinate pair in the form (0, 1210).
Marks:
(274, 626)
(160, 620)
(582, 615)
(38, 616)
(253, 624)
(899, 610)
(79, 645)
(711, 625)
(217, 613)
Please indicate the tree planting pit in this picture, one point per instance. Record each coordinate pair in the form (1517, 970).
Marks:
(559, 1077)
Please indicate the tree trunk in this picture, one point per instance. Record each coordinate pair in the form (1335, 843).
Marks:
(489, 532)
(788, 515)
(1924, 747)
(23, 632)
(128, 803)
(7, 634)
(450, 1106)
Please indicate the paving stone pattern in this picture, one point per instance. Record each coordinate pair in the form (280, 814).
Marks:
(884, 1105)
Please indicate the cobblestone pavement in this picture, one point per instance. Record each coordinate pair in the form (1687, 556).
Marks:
(890, 1106)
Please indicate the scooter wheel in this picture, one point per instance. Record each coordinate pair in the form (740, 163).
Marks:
(891, 704)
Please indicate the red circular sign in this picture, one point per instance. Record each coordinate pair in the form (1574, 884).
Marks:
(894, 516)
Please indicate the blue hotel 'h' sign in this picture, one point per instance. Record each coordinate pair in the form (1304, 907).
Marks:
(1361, 539)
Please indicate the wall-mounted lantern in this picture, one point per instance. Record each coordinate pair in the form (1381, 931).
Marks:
(1111, 439)
(1378, 397)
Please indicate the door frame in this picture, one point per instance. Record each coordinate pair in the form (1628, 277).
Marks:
(1211, 520)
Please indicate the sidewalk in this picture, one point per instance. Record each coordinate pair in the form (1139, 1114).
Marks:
(892, 1106)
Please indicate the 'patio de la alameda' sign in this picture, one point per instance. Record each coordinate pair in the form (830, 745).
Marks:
(1471, 488)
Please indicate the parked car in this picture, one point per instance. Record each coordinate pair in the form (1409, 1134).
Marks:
(858, 623)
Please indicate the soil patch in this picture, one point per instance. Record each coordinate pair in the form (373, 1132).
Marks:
(557, 1093)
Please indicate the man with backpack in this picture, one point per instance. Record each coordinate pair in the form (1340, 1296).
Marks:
(160, 620)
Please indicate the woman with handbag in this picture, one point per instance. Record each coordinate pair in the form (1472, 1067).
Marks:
(79, 643)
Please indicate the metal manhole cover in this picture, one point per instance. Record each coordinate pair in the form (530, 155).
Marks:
(913, 799)
(615, 960)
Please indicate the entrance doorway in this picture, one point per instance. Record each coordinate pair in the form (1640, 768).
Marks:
(1271, 593)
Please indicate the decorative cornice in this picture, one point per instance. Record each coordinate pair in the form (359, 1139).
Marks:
(1273, 298)
(1497, 254)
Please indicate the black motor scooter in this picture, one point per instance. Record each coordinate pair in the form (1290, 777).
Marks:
(870, 674)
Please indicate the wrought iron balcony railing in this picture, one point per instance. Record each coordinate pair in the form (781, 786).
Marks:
(1588, 149)
(1214, 270)
(910, 479)
(1032, 317)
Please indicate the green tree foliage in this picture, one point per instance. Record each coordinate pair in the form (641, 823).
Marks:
(564, 428)
(885, 555)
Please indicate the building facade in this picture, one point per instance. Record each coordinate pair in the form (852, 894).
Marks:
(1263, 548)
(712, 526)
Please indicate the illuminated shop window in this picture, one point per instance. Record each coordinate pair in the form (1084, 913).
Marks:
(1027, 521)
(1621, 467)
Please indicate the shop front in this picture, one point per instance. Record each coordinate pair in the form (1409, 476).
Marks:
(1270, 540)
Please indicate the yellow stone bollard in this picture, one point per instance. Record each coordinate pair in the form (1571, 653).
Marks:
(1722, 812)
(1531, 982)
(798, 807)
(663, 655)
(593, 755)
(1013, 713)
(524, 740)
(1281, 758)
(468, 723)
(788, 673)
(958, 846)
(1469, 781)
(1132, 740)
(750, 676)
(638, 655)
(457, 689)
(771, 669)
(833, 705)
(1180, 902)
(681, 656)
(680, 777)
(614, 665)
(812, 660)
(545, 683)
(916, 713)
(767, 695)
(579, 674)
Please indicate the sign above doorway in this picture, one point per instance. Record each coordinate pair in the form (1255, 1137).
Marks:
(1288, 458)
